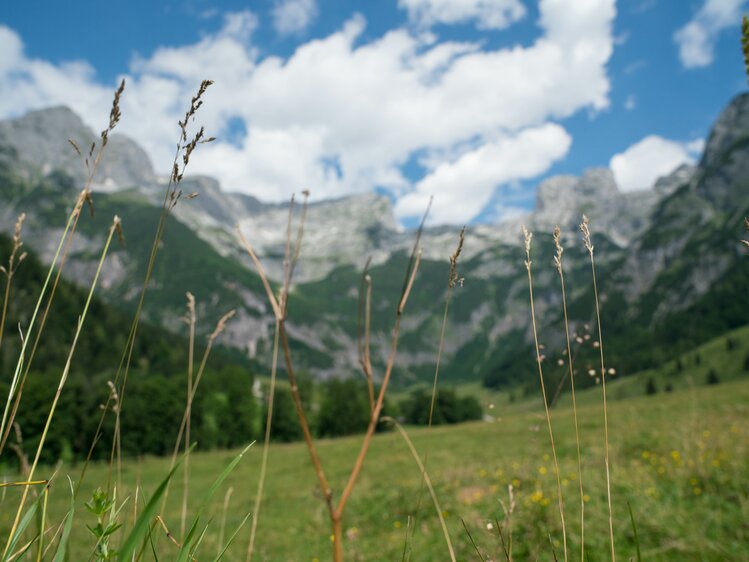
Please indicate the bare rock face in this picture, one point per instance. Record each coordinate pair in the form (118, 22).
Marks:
(562, 200)
(39, 140)
(337, 232)
(724, 158)
(681, 176)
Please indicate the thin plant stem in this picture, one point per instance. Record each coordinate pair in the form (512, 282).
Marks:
(527, 240)
(266, 445)
(453, 279)
(428, 481)
(11, 269)
(19, 365)
(220, 326)
(560, 269)
(188, 410)
(63, 379)
(363, 331)
(40, 549)
(222, 527)
(584, 228)
(66, 239)
(473, 542)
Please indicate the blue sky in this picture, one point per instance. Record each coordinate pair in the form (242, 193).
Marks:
(472, 101)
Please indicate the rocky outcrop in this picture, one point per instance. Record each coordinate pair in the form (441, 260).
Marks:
(39, 139)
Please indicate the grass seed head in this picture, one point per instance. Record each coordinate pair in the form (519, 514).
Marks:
(527, 237)
(455, 278)
(559, 249)
(586, 234)
(221, 325)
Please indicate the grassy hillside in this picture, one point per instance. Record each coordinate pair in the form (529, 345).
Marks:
(680, 459)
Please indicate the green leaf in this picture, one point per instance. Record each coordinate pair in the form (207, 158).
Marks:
(190, 542)
(63, 544)
(634, 530)
(143, 524)
(231, 539)
(25, 520)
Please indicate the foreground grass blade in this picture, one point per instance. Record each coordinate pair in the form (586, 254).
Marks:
(63, 545)
(189, 542)
(143, 523)
(634, 530)
(20, 528)
(231, 539)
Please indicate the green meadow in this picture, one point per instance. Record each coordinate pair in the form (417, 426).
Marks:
(680, 459)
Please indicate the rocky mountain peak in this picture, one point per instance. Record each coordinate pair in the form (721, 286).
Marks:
(39, 138)
(732, 127)
(726, 157)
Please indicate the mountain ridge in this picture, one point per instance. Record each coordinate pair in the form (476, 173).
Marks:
(659, 252)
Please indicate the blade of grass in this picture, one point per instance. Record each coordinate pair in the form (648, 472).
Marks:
(634, 530)
(143, 525)
(231, 539)
(62, 547)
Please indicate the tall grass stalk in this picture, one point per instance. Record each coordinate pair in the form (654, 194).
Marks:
(190, 318)
(527, 236)
(116, 226)
(584, 228)
(6, 423)
(11, 269)
(40, 546)
(364, 322)
(91, 164)
(172, 195)
(560, 269)
(222, 527)
(279, 306)
(453, 279)
(266, 446)
(184, 424)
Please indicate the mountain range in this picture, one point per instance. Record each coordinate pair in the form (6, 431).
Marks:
(671, 267)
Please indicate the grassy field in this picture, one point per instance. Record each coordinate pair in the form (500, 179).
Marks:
(681, 459)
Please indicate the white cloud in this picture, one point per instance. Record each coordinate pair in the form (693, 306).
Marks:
(466, 185)
(630, 104)
(488, 14)
(640, 165)
(696, 40)
(343, 114)
(293, 16)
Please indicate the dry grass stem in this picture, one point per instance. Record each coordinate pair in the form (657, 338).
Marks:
(453, 279)
(190, 319)
(527, 238)
(222, 527)
(11, 269)
(66, 241)
(363, 339)
(584, 228)
(171, 196)
(266, 446)
(558, 262)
